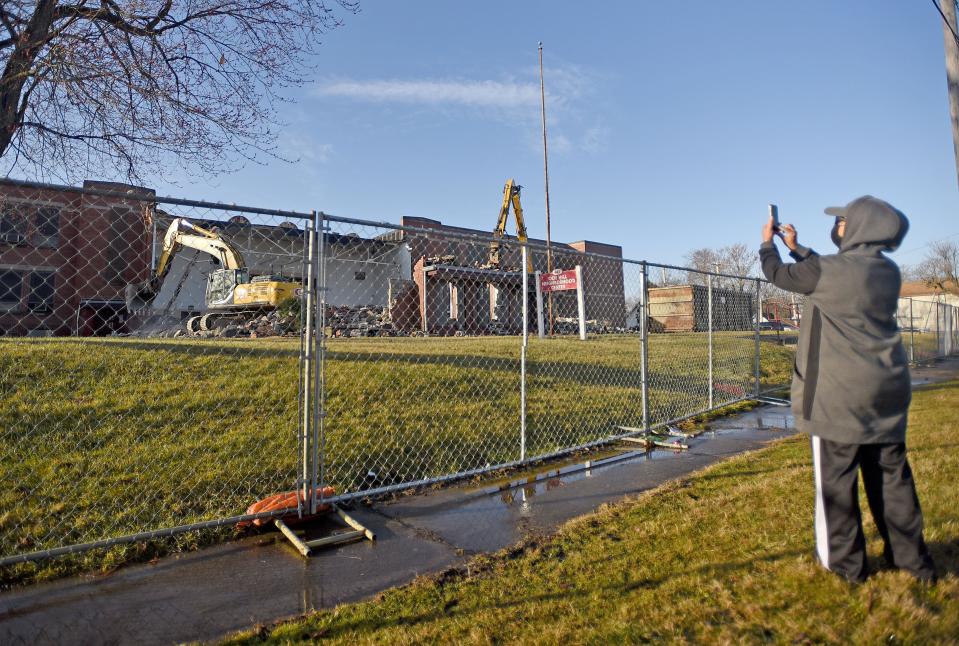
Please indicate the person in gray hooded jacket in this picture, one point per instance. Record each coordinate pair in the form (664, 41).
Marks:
(851, 386)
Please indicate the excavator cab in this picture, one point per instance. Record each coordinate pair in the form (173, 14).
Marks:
(221, 284)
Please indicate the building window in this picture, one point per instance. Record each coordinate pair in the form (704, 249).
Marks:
(11, 287)
(47, 226)
(118, 246)
(41, 291)
(12, 229)
(359, 275)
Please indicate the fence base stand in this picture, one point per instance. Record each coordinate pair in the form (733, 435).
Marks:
(352, 522)
(304, 547)
(671, 431)
(775, 401)
(300, 546)
(652, 440)
(335, 539)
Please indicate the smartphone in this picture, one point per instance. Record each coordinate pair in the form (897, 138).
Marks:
(774, 214)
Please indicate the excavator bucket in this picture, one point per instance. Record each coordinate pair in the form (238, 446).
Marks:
(139, 296)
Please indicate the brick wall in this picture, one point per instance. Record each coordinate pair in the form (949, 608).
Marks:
(602, 277)
(66, 257)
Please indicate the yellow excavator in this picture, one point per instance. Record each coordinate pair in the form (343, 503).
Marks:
(510, 196)
(232, 296)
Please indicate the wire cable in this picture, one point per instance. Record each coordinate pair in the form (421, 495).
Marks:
(928, 244)
(945, 20)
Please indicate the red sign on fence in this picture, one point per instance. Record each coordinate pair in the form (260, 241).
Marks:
(558, 281)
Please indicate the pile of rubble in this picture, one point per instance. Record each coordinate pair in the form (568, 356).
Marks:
(341, 321)
(365, 320)
(570, 325)
(264, 325)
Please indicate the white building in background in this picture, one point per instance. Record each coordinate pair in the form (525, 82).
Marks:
(358, 270)
(919, 307)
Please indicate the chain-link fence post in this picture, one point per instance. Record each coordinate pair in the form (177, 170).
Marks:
(943, 331)
(759, 316)
(522, 355)
(938, 333)
(912, 335)
(952, 329)
(307, 369)
(955, 328)
(644, 340)
(947, 332)
(709, 332)
(580, 302)
(319, 379)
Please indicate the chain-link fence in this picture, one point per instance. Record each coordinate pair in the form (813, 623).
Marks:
(930, 328)
(134, 400)
(165, 363)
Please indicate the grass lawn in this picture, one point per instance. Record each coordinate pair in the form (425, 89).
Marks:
(107, 437)
(722, 556)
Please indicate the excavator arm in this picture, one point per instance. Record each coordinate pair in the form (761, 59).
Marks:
(180, 234)
(510, 197)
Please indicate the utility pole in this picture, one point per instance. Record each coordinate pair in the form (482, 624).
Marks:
(949, 31)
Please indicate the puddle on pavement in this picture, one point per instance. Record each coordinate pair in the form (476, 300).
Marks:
(754, 420)
(488, 516)
(521, 492)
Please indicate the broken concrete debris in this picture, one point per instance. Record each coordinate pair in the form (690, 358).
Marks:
(263, 325)
(341, 321)
(366, 320)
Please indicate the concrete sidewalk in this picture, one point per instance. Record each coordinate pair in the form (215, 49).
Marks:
(229, 587)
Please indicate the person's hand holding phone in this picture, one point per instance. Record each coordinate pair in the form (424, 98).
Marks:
(769, 230)
(785, 231)
(772, 227)
(788, 233)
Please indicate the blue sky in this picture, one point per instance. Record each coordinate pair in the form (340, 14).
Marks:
(671, 125)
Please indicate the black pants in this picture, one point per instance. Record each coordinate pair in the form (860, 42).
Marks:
(892, 498)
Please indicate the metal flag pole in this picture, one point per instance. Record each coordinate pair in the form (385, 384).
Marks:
(549, 251)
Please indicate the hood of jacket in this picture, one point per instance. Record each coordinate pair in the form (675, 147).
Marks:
(871, 222)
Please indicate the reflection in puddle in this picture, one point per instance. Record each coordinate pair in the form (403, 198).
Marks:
(774, 422)
(519, 493)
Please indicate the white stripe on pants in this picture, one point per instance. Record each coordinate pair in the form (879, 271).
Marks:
(822, 536)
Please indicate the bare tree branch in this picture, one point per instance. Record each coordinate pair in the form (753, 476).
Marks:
(735, 259)
(120, 86)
